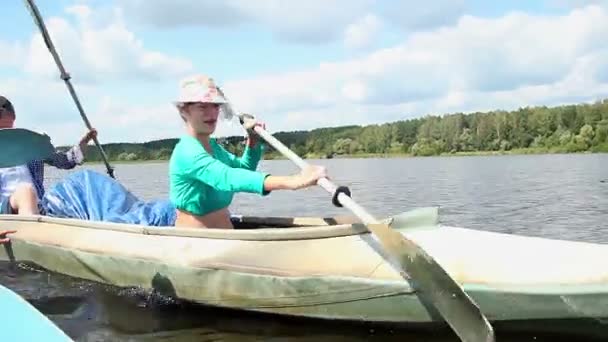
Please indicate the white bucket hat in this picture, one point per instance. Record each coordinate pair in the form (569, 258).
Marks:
(199, 88)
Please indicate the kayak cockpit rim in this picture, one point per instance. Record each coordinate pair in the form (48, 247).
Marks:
(299, 229)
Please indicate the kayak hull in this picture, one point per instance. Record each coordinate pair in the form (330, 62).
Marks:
(326, 271)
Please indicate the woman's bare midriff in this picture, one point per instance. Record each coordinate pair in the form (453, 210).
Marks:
(216, 219)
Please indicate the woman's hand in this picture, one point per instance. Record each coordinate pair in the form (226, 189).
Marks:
(249, 124)
(309, 176)
(252, 135)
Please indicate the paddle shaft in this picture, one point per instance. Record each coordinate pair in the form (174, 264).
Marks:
(65, 76)
(325, 183)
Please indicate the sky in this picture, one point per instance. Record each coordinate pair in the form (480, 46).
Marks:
(297, 65)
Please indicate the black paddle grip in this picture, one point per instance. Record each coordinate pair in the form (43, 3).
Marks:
(340, 190)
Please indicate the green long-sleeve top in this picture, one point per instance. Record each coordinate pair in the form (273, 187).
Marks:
(201, 183)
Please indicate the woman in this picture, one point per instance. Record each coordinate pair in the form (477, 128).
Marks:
(204, 176)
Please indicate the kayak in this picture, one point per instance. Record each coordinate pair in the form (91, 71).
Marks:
(325, 268)
(22, 322)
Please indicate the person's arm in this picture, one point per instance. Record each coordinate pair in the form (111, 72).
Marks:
(74, 156)
(254, 148)
(222, 177)
(307, 177)
(66, 160)
(92, 134)
(3, 238)
(250, 158)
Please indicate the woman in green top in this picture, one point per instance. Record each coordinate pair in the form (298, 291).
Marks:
(204, 176)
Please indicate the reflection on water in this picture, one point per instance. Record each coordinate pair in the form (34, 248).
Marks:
(560, 196)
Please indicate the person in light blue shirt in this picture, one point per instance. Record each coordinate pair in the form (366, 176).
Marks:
(21, 187)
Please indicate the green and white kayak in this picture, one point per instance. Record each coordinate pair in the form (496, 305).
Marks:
(324, 268)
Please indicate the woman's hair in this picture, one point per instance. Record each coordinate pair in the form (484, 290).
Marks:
(181, 109)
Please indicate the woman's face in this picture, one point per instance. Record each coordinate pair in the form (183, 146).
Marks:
(202, 117)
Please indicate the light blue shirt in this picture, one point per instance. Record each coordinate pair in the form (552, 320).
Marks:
(10, 177)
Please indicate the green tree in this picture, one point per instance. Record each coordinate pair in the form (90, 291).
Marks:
(342, 146)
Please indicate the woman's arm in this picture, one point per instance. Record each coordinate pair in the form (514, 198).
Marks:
(250, 158)
(254, 148)
(222, 177)
(307, 177)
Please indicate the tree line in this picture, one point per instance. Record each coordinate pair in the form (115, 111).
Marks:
(558, 129)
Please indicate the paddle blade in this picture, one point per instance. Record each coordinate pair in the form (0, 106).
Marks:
(419, 218)
(435, 288)
(227, 112)
(18, 146)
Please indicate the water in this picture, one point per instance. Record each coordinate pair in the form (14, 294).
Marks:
(554, 196)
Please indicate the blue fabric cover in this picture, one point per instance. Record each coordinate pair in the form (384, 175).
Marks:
(89, 195)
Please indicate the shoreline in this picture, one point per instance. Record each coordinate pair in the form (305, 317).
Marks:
(527, 151)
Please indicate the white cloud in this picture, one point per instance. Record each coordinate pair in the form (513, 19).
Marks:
(120, 120)
(361, 34)
(575, 3)
(473, 64)
(304, 21)
(312, 21)
(413, 15)
(12, 53)
(355, 91)
(478, 64)
(96, 49)
(177, 13)
(46, 106)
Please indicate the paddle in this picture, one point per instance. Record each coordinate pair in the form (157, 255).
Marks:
(433, 284)
(19, 146)
(408, 258)
(65, 76)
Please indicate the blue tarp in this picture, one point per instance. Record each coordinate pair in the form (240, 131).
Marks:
(89, 195)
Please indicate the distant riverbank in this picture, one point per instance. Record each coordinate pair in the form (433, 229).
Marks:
(275, 156)
(576, 128)
(519, 151)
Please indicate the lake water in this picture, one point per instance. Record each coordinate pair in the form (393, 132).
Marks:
(554, 196)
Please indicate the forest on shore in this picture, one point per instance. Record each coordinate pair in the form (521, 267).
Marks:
(559, 129)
